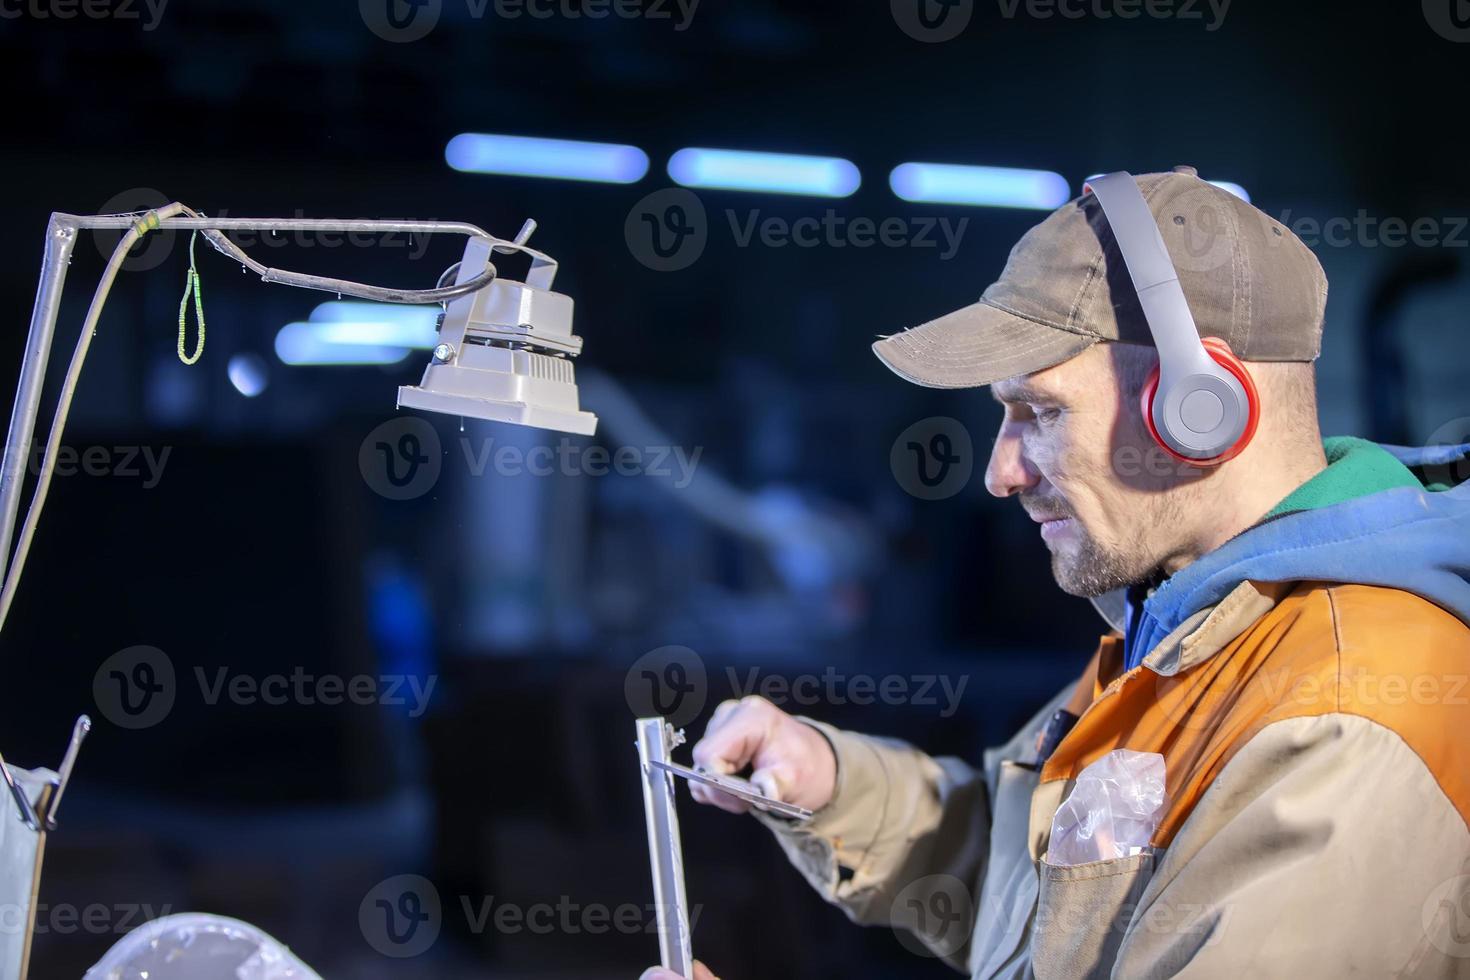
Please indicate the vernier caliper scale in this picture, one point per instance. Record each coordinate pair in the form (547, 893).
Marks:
(656, 742)
(739, 788)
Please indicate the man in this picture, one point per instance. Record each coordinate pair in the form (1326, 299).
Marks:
(1294, 646)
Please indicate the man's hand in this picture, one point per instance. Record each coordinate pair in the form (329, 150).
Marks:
(701, 972)
(793, 762)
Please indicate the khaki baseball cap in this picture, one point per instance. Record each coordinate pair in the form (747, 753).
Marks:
(1247, 278)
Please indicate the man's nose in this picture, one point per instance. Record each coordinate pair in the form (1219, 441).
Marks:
(1009, 472)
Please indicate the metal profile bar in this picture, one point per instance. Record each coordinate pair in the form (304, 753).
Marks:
(656, 740)
(60, 238)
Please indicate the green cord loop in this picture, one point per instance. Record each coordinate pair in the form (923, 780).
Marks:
(191, 285)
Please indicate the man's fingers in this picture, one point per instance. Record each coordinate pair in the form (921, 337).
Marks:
(777, 781)
(731, 745)
(702, 972)
(722, 711)
(713, 797)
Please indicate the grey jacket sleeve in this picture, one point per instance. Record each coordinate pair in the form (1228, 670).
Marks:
(901, 826)
(906, 840)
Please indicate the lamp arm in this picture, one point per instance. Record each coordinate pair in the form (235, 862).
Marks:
(61, 236)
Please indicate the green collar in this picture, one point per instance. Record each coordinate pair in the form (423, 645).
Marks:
(1355, 468)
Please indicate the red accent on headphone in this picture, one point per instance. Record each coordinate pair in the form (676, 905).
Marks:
(1225, 357)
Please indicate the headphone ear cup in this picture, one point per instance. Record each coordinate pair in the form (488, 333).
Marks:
(1222, 355)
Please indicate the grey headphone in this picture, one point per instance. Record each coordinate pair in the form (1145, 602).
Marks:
(1201, 405)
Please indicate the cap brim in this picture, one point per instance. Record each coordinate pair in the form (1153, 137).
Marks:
(977, 345)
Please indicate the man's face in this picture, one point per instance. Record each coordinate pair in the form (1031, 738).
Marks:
(1111, 506)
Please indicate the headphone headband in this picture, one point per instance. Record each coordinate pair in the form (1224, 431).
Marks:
(1200, 412)
(1153, 274)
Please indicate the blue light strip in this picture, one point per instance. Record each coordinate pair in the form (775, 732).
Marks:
(300, 344)
(383, 324)
(996, 187)
(776, 173)
(528, 156)
(348, 332)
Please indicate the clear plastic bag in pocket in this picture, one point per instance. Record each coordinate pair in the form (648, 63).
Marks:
(1113, 810)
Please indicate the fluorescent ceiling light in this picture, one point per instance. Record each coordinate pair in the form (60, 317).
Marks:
(303, 343)
(999, 187)
(776, 173)
(380, 324)
(528, 156)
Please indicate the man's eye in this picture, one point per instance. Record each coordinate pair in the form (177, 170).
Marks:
(1046, 416)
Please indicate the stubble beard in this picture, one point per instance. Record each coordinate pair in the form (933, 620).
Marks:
(1090, 569)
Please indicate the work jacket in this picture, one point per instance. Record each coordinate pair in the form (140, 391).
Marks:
(1315, 737)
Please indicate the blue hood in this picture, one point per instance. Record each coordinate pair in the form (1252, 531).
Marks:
(1412, 538)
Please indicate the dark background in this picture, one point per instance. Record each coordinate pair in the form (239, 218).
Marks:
(264, 551)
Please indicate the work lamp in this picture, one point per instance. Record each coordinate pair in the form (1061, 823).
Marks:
(504, 353)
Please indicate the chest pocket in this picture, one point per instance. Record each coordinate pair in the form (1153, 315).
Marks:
(1082, 913)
